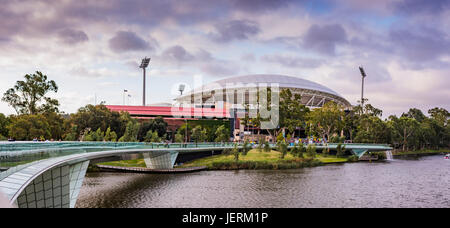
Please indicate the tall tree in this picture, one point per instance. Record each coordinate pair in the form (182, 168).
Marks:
(28, 127)
(222, 134)
(157, 125)
(404, 129)
(199, 134)
(28, 97)
(4, 122)
(292, 112)
(327, 120)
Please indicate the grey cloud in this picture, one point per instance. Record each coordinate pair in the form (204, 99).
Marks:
(177, 53)
(292, 62)
(324, 39)
(259, 5)
(413, 7)
(129, 41)
(219, 69)
(72, 36)
(204, 55)
(235, 30)
(425, 45)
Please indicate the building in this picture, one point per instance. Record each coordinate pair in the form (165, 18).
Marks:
(240, 88)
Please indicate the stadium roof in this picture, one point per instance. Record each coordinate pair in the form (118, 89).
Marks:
(282, 80)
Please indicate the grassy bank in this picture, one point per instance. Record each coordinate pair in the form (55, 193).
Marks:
(253, 160)
(421, 152)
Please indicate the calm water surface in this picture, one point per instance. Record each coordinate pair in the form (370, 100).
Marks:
(423, 182)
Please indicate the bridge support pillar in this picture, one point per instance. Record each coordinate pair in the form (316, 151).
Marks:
(359, 152)
(160, 160)
(55, 188)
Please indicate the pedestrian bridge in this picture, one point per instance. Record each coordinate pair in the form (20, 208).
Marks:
(50, 174)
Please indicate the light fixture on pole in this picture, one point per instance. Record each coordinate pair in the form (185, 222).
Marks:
(181, 88)
(363, 75)
(144, 64)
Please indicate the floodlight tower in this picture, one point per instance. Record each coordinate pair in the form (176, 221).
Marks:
(181, 88)
(144, 64)
(363, 75)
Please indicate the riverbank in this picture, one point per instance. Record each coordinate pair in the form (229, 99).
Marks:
(420, 152)
(253, 160)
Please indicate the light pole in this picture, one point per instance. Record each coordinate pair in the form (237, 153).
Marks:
(129, 95)
(144, 64)
(363, 75)
(124, 91)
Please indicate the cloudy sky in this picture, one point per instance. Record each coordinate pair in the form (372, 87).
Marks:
(93, 48)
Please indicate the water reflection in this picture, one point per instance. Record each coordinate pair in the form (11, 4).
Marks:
(422, 182)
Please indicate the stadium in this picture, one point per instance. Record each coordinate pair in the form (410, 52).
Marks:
(224, 102)
(229, 92)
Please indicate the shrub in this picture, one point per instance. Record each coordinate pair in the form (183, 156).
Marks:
(311, 151)
(267, 147)
(340, 150)
(353, 158)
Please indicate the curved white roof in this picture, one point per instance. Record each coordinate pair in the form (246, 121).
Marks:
(282, 80)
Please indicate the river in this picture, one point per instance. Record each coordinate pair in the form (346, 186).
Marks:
(420, 182)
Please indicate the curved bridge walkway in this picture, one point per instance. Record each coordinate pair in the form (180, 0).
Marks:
(47, 175)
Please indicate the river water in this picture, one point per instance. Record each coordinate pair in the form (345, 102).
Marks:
(422, 182)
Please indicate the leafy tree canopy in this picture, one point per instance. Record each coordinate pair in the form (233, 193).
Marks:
(28, 97)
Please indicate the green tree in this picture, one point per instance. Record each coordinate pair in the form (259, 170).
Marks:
(179, 138)
(110, 136)
(403, 129)
(71, 135)
(293, 113)
(4, 122)
(325, 151)
(56, 124)
(340, 150)
(28, 127)
(157, 125)
(235, 152)
(372, 129)
(280, 138)
(327, 120)
(441, 115)
(246, 147)
(131, 132)
(311, 151)
(267, 147)
(199, 134)
(28, 97)
(294, 150)
(99, 116)
(301, 150)
(222, 134)
(152, 136)
(283, 148)
(184, 131)
(99, 135)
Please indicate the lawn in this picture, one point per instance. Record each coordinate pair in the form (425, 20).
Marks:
(254, 155)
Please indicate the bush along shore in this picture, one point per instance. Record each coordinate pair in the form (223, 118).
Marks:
(420, 152)
(253, 159)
